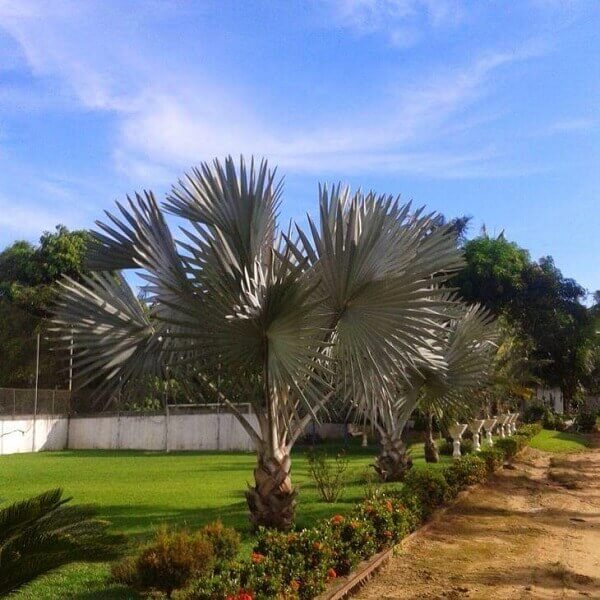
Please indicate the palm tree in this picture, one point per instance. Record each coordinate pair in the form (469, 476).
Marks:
(460, 365)
(42, 533)
(287, 318)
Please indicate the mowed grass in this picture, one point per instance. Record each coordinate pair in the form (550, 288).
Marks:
(138, 491)
(559, 441)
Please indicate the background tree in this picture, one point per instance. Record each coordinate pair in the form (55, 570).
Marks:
(28, 275)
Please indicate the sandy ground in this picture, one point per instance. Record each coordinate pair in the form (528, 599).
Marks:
(531, 532)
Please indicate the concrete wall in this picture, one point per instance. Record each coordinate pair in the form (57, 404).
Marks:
(20, 434)
(125, 432)
(131, 432)
(552, 397)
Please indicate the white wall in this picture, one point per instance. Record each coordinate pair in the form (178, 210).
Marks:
(149, 432)
(129, 432)
(17, 434)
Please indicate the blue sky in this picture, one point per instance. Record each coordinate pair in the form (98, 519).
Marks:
(483, 108)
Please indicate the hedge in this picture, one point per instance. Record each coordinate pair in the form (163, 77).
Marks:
(300, 564)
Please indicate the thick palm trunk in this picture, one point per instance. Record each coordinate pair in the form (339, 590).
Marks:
(393, 462)
(272, 499)
(431, 451)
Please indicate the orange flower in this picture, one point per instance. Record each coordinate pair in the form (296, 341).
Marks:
(387, 534)
(244, 595)
(317, 546)
(389, 506)
(257, 558)
(337, 519)
(331, 574)
(295, 585)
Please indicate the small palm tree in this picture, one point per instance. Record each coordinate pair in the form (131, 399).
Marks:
(443, 387)
(44, 532)
(287, 318)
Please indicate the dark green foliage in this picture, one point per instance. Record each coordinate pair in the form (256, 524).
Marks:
(545, 308)
(585, 422)
(553, 420)
(534, 412)
(169, 562)
(493, 457)
(27, 289)
(510, 446)
(425, 489)
(445, 447)
(465, 471)
(529, 431)
(42, 533)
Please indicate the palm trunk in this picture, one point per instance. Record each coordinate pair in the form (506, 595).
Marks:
(431, 451)
(272, 500)
(393, 462)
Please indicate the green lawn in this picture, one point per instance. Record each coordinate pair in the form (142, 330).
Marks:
(137, 491)
(559, 441)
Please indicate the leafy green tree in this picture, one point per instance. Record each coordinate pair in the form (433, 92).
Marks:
(493, 274)
(28, 275)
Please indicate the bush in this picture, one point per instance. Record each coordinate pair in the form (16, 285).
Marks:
(425, 490)
(534, 413)
(585, 422)
(464, 472)
(510, 446)
(329, 475)
(446, 448)
(225, 540)
(552, 420)
(169, 562)
(493, 457)
(529, 431)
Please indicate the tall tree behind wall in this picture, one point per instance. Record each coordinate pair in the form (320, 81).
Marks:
(27, 286)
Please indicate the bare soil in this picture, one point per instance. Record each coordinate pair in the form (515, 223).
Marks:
(530, 532)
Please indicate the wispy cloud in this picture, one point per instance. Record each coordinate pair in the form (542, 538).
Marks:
(168, 118)
(572, 125)
(403, 22)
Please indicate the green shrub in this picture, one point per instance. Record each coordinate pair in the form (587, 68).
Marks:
(529, 431)
(465, 471)
(446, 448)
(214, 587)
(553, 420)
(225, 540)
(509, 446)
(425, 490)
(585, 422)
(493, 457)
(329, 474)
(534, 413)
(169, 562)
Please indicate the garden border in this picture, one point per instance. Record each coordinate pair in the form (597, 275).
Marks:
(368, 568)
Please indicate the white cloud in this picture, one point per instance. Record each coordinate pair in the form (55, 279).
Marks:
(573, 125)
(168, 119)
(404, 22)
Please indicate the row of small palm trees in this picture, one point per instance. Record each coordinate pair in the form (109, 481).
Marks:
(354, 305)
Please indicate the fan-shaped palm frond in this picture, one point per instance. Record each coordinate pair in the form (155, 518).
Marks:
(42, 533)
(352, 306)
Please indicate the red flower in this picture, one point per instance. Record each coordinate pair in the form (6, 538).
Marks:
(337, 519)
(257, 558)
(244, 595)
(387, 534)
(331, 574)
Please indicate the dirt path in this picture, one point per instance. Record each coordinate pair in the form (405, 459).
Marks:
(531, 532)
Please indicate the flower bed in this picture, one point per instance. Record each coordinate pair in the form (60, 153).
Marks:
(301, 564)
